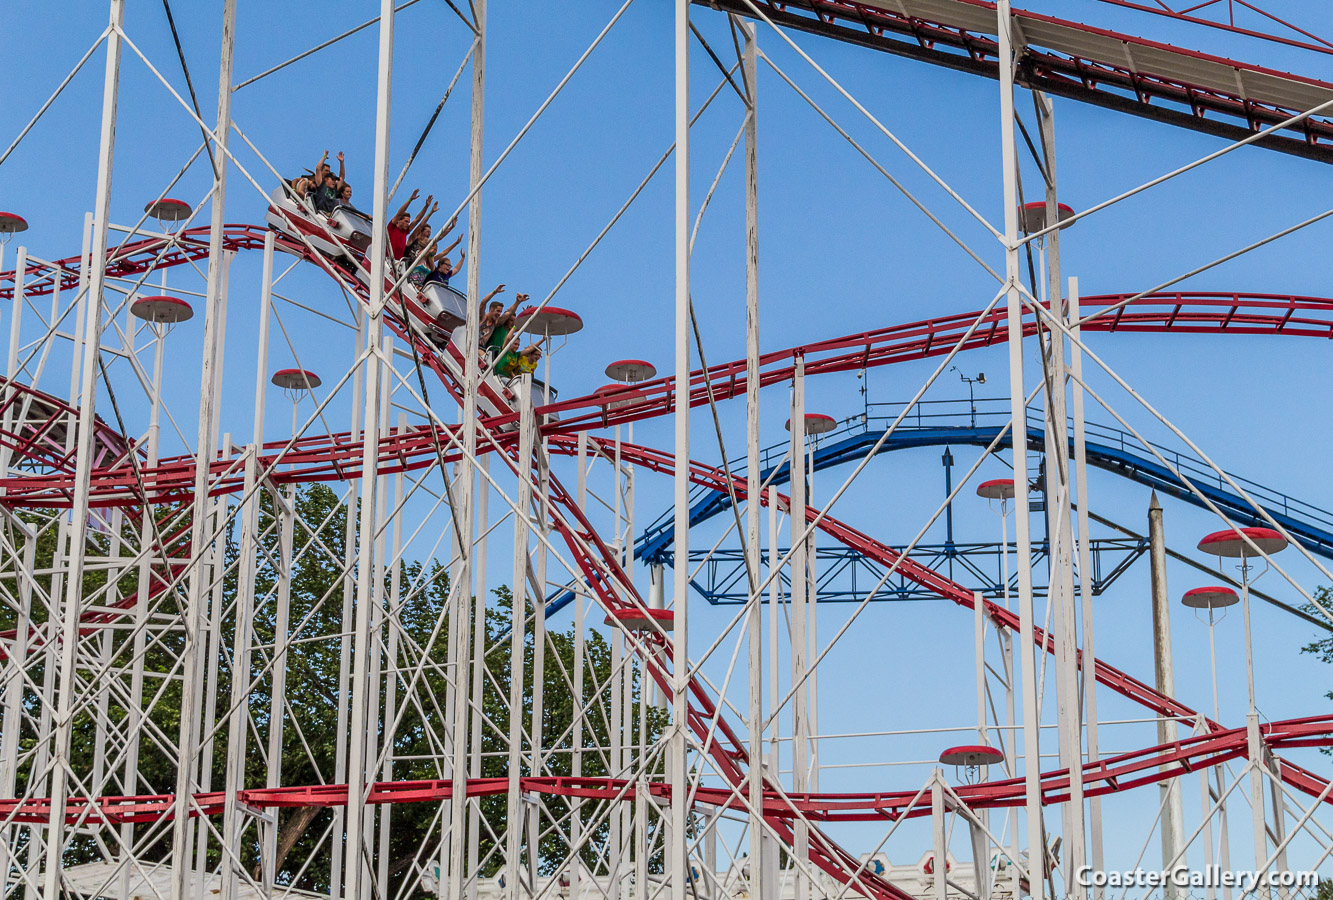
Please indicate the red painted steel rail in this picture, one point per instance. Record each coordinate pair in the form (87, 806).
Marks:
(1115, 774)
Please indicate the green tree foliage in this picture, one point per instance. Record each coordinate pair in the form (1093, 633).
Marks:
(320, 611)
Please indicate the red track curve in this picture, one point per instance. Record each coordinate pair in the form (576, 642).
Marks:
(1111, 775)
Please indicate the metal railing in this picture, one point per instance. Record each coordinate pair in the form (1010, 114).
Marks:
(993, 413)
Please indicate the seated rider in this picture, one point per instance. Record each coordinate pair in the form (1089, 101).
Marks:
(444, 269)
(417, 254)
(306, 183)
(509, 362)
(403, 224)
(421, 271)
(488, 320)
(326, 192)
(428, 267)
(521, 363)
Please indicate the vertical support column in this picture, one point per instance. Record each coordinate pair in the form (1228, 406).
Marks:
(939, 847)
(980, 869)
(799, 615)
(237, 732)
(356, 872)
(543, 517)
(1007, 654)
(1279, 820)
(14, 681)
(213, 650)
(771, 857)
(632, 757)
(284, 505)
(774, 618)
(38, 785)
(657, 600)
(394, 626)
(1089, 693)
(84, 459)
(17, 658)
(192, 663)
(810, 547)
(461, 589)
(12, 357)
(580, 644)
(1173, 813)
(478, 664)
(615, 686)
(1018, 410)
(1059, 515)
(360, 743)
(676, 856)
(1254, 742)
(641, 795)
(979, 653)
(374, 728)
(348, 596)
(759, 890)
(522, 515)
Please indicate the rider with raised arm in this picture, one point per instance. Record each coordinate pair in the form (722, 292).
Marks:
(403, 224)
(509, 363)
(327, 190)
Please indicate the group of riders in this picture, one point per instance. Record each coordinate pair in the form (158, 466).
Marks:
(414, 251)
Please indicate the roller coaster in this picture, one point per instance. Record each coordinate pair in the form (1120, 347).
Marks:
(153, 617)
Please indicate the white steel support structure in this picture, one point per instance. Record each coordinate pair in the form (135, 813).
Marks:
(580, 674)
(348, 611)
(1089, 683)
(1018, 412)
(800, 615)
(1059, 515)
(677, 855)
(514, 883)
(1255, 743)
(1211, 787)
(461, 588)
(237, 731)
(11, 689)
(759, 888)
(478, 679)
(361, 742)
(195, 621)
(69, 608)
(938, 831)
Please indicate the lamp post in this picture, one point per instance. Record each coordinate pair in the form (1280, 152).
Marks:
(1245, 544)
(971, 391)
(1213, 599)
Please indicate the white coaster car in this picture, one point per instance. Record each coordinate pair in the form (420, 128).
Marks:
(443, 305)
(350, 226)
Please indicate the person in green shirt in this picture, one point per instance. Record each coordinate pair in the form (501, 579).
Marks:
(510, 362)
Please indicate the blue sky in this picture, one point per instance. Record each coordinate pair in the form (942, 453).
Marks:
(841, 251)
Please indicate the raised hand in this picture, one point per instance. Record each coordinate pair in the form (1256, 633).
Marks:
(340, 156)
